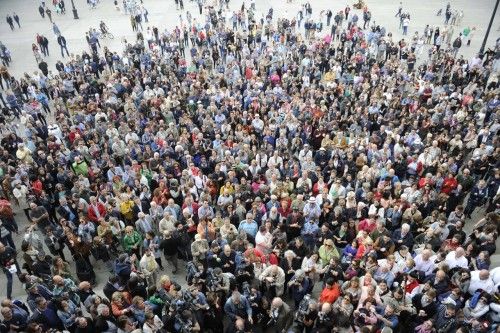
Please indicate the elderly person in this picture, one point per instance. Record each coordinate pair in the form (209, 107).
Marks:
(327, 251)
(199, 248)
(249, 226)
(132, 241)
(273, 278)
(149, 267)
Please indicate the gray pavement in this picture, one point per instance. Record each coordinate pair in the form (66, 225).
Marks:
(163, 14)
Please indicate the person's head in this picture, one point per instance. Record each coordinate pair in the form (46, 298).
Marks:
(58, 280)
(326, 308)
(459, 252)
(329, 284)
(236, 297)
(426, 254)
(6, 313)
(276, 303)
(240, 324)
(427, 325)
(389, 310)
(440, 275)
(484, 274)
(41, 303)
(450, 310)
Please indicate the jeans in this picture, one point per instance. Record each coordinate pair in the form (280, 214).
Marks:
(10, 279)
(64, 48)
(173, 260)
(9, 241)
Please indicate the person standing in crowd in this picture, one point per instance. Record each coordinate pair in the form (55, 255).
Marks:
(291, 181)
(9, 266)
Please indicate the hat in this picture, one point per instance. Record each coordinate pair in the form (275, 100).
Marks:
(31, 285)
(312, 200)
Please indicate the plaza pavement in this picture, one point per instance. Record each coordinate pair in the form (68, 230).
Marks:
(163, 14)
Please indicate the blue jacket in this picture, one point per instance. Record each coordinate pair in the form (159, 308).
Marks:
(233, 310)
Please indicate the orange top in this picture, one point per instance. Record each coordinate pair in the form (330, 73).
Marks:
(330, 295)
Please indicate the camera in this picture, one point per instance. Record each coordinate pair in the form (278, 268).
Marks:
(303, 309)
(214, 282)
(246, 289)
(182, 323)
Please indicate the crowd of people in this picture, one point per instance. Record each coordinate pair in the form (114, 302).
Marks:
(286, 182)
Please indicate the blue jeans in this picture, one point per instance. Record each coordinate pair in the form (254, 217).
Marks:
(9, 241)
(10, 279)
(9, 283)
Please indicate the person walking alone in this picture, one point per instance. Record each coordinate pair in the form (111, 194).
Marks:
(62, 43)
(400, 10)
(41, 11)
(406, 22)
(457, 44)
(49, 14)
(55, 29)
(16, 18)
(10, 21)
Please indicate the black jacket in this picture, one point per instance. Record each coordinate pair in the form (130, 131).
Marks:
(61, 40)
(169, 246)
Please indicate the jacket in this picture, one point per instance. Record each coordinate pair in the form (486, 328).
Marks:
(284, 318)
(240, 309)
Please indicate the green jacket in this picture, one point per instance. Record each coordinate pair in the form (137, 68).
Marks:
(80, 168)
(129, 241)
(325, 254)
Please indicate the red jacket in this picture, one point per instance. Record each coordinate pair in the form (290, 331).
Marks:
(449, 184)
(37, 187)
(93, 211)
(329, 295)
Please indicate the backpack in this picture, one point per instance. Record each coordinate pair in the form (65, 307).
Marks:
(457, 43)
(191, 271)
(475, 298)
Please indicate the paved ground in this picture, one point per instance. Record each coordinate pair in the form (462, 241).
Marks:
(164, 15)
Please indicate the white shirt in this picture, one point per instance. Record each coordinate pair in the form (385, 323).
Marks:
(426, 266)
(453, 261)
(476, 283)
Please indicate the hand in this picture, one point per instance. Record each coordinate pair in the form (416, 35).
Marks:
(250, 320)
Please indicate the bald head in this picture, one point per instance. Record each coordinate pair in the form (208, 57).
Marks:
(484, 274)
(277, 302)
(326, 308)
